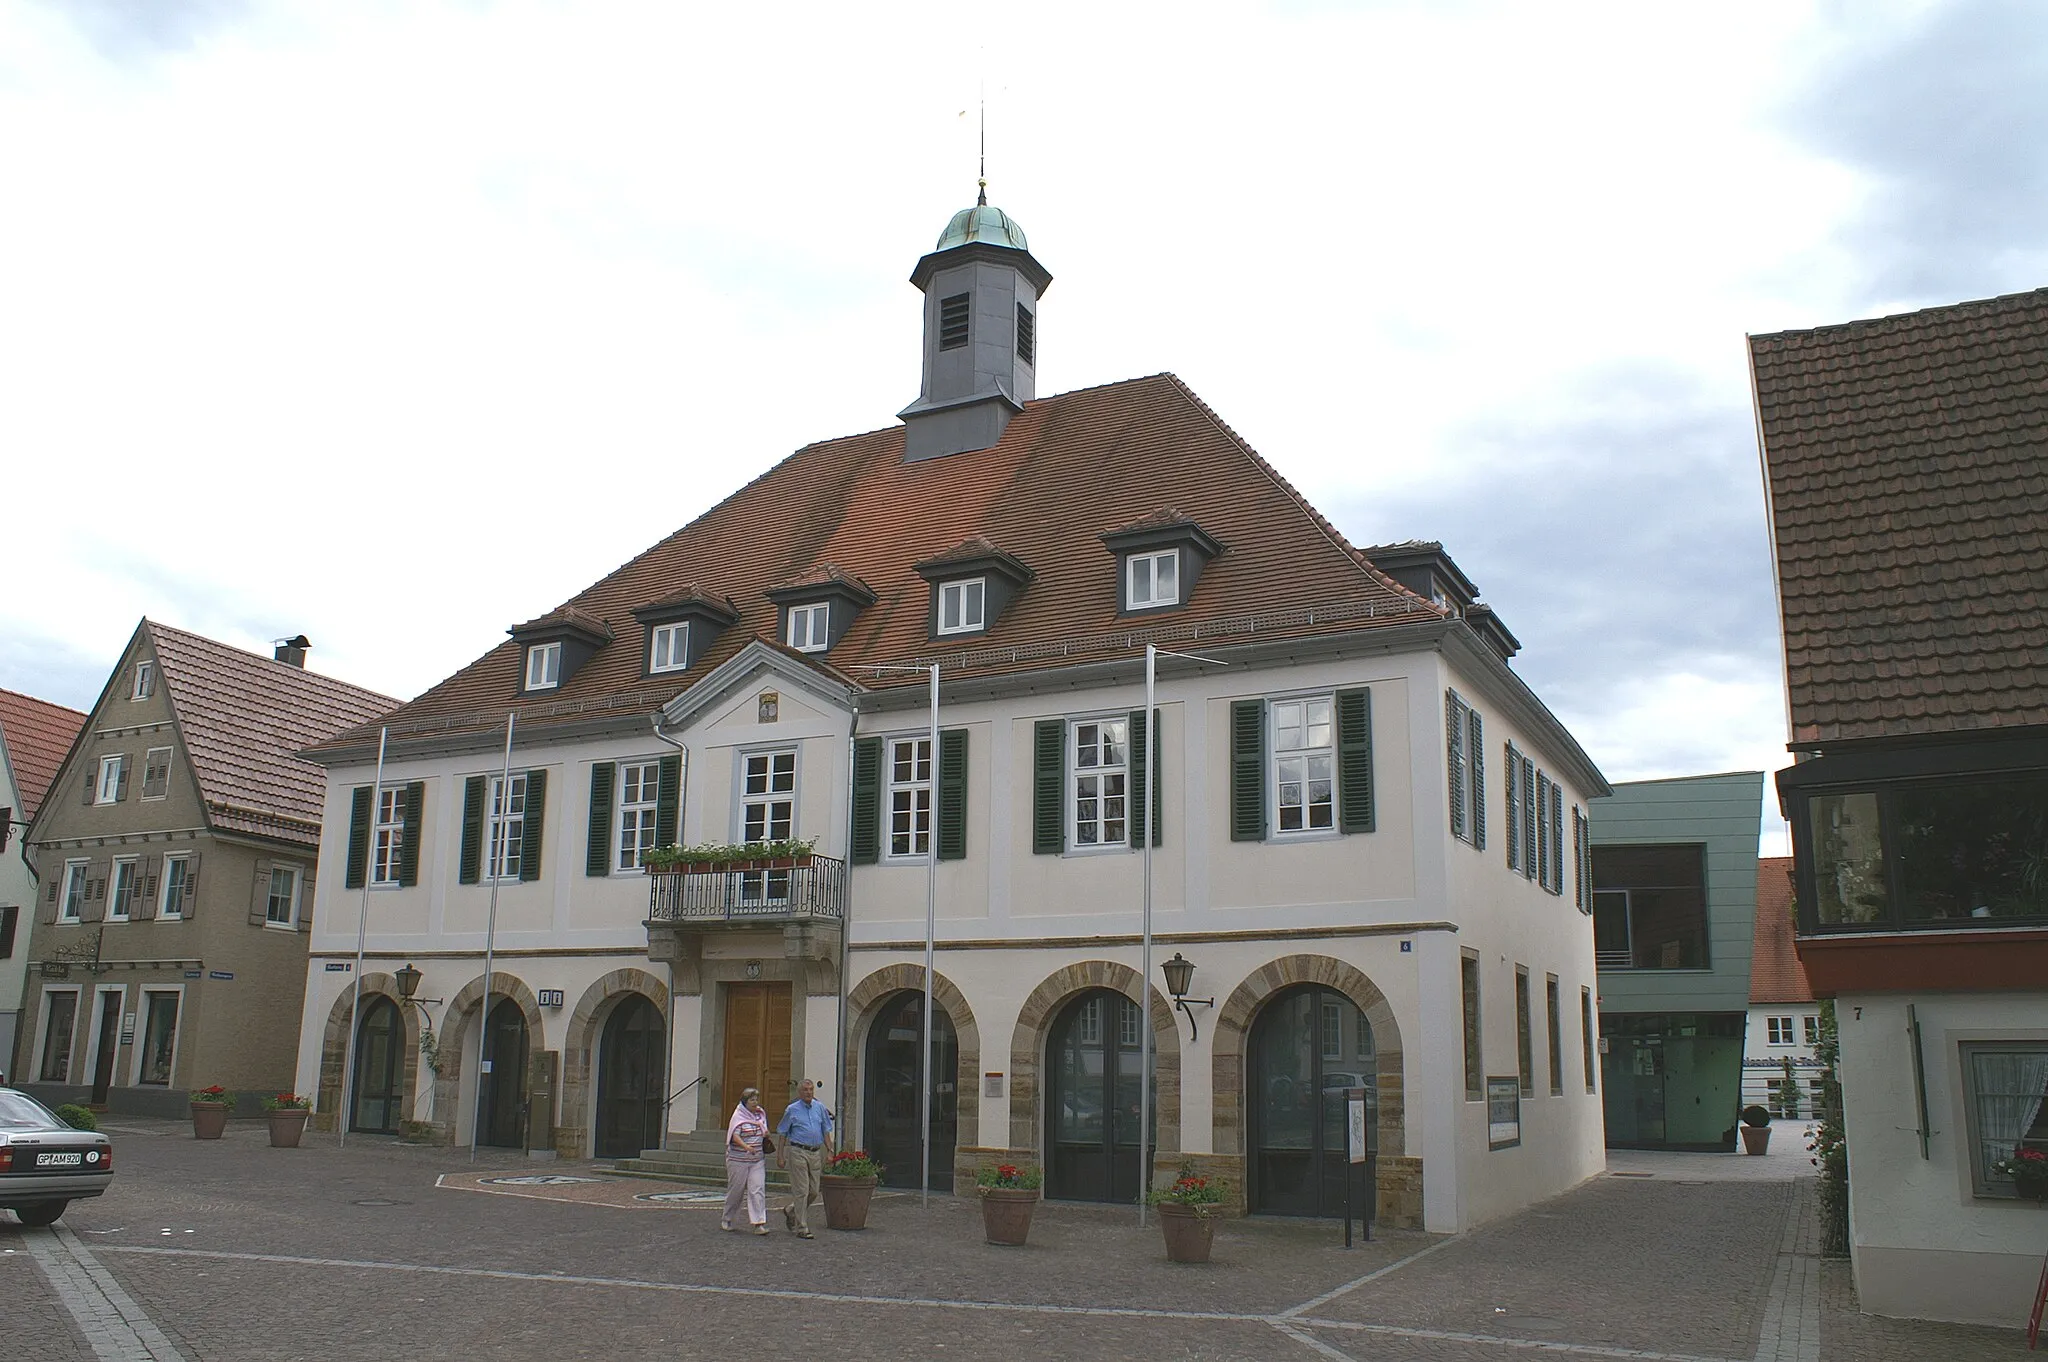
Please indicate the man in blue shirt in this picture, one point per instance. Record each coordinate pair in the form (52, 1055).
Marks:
(806, 1131)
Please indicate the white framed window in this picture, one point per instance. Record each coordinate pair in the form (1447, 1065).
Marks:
(1098, 778)
(121, 901)
(156, 773)
(2005, 1098)
(767, 809)
(639, 796)
(60, 1021)
(156, 1058)
(1304, 770)
(145, 681)
(71, 899)
(1089, 1023)
(962, 605)
(281, 907)
(387, 848)
(1333, 1031)
(544, 666)
(910, 798)
(1779, 1030)
(176, 889)
(507, 821)
(668, 647)
(808, 626)
(1126, 1025)
(1152, 579)
(113, 781)
(1811, 1028)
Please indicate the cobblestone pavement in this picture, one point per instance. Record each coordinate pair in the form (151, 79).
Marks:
(233, 1251)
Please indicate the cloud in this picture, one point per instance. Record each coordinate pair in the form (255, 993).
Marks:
(1945, 117)
(128, 29)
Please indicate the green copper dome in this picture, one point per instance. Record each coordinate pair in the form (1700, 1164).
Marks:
(981, 223)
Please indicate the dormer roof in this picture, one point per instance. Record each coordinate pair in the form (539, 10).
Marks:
(973, 556)
(824, 580)
(565, 621)
(1166, 525)
(691, 600)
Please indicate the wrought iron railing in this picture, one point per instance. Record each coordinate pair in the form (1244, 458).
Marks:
(816, 888)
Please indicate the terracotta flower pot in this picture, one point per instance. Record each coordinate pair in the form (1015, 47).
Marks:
(846, 1201)
(1190, 1233)
(209, 1119)
(286, 1126)
(1006, 1214)
(1756, 1139)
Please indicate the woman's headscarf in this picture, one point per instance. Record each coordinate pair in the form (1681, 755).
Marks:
(755, 1124)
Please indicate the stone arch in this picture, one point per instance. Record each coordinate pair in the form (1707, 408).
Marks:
(1233, 1028)
(333, 1080)
(864, 1003)
(462, 1016)
(1027, 1051)
(575, 1134)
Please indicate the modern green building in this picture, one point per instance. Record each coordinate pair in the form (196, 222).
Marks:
(1674, 917)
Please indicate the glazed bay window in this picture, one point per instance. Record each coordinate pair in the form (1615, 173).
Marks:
(1098, 763)
(281, 903)
(910, 798)
(767, 814)
(1943, 853)
(543, 666)
(1152, 579)
(668, 647)
(2004, 1087)
(639, 798)
(1650, 907)
(808, 627)
(507, 828)
(1304, 766)
(963, 606)
(388, 849)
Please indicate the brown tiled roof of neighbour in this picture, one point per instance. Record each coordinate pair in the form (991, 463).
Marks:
(1068, 468)
(243, 717)
(36, 734)
(1907, 466)
(1775, 974)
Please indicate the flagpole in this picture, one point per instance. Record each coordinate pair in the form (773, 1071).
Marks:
(1145, 970)
(492, 865)
(355, 1011)
(931, 928)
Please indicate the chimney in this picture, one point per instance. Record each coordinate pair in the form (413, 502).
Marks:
(292, 651)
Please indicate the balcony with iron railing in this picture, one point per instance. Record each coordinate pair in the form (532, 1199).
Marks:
(749, 894)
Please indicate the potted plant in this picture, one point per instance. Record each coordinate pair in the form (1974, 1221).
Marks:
(1187, 1215)
(1756, 1129)
(847, 1186)
(2028, 1169)
(210, 1108)
(287, 1112)
(718, 858)
(1009, 1194)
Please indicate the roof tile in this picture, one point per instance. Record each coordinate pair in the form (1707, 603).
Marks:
(36, 735)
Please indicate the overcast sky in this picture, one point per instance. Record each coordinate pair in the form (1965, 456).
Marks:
(398, 323)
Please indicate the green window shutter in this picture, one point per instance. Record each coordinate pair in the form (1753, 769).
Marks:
(1048, 787)
(1556, 838)
(1528, 818)
(597, 850)
(409, 848)
(1144, 777)
(1248, 771)
(536, 825)
(952, 805)
(1454, 759)
(1514, 800)
(864, 838)
(1354, 761)
(471, 868)
(1475, 761)
(358, 868)
(668, 801)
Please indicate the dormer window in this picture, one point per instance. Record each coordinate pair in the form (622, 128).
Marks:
(1159, 559)
(810, 627)
(1152, 580)
(544, 666)
(961, 605)
(668, 647)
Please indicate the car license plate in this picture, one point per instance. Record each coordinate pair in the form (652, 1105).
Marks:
(59, 1160)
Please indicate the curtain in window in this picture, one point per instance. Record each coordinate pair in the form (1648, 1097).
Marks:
(2010, 1086)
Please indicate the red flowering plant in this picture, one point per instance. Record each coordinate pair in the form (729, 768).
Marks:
(214, 1096)
(1191, 1189)
(1009, 1177)
(2028, 1168)
(287, 1101)
(853, 1163)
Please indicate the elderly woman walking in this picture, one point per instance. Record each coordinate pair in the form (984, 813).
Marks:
(746, 1168)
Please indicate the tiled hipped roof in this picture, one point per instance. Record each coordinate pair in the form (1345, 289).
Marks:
(36, 734)
(242, 717)
(1775, 974)
(1067, 470)
(1907, 463)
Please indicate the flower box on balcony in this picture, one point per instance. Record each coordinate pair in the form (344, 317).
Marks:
(726, 860)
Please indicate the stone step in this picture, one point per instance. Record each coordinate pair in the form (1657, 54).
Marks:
(672, 1165)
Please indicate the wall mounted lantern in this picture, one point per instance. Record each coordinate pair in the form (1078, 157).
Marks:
(1180, 972)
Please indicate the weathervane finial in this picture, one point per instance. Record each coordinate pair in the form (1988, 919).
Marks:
(981, 199)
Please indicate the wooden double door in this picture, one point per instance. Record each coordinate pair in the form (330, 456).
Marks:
(757, 1036)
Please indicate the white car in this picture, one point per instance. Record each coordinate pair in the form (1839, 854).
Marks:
(45, 1165)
